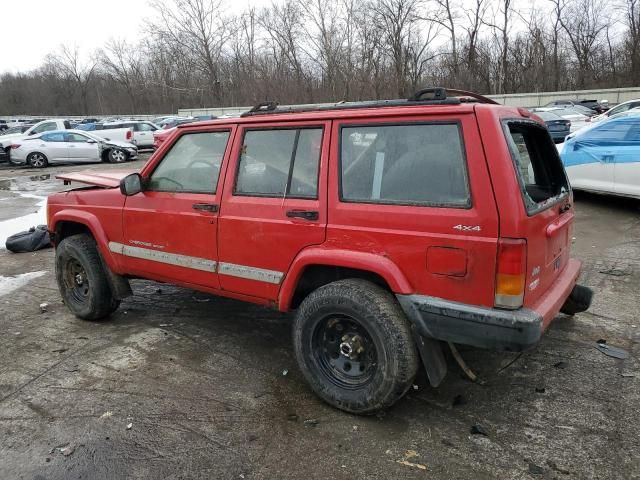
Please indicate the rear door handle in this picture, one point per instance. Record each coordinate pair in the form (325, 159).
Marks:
(305, 214)
(206, 207)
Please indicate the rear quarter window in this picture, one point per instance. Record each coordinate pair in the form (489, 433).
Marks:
(537, 164)
(404, 164)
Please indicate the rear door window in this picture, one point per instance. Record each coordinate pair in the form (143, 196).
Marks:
(411, 164)
(537, 163)
(280, 162)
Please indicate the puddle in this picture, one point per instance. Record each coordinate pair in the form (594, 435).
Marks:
(13, 184)
(9, 284)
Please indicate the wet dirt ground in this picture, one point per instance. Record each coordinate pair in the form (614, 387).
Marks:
(180, 384)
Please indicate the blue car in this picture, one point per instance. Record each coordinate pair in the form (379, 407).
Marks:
(605, 157)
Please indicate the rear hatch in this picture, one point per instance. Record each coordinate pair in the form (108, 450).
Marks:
(544, 188)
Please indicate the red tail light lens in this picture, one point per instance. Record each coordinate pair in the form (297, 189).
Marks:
(511, 270)
(129, 134)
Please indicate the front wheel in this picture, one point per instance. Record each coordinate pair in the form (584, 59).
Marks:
(117, 155)
(82, 279)
(354, 346)
(37, 160)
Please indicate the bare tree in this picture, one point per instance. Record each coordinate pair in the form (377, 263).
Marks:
(301, 51)
(122, 63)
(200, 27)
(501, 25)
(584, 22)
(67, 63)
(446, 17)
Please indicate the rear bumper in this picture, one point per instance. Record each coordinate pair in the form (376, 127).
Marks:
(491, 328)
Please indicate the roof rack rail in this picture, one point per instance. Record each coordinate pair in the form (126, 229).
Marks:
(425, 96)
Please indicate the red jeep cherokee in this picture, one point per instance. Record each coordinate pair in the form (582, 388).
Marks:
(389, 227)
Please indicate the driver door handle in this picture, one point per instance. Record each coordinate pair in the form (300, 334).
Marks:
(305, 214)
(206, 207)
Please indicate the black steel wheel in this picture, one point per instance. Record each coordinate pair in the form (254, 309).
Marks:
(344, 351)
(75, 280)
(82, 278)
(354, 346)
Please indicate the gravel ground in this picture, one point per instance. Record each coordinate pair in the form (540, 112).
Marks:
(180, 384)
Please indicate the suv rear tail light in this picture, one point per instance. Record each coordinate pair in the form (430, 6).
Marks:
(510, 273)
(129, 134)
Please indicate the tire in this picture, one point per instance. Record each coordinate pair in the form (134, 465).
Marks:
(37, 160)
(82, 279)
(354, 346)
(578, 301)
(117, 155)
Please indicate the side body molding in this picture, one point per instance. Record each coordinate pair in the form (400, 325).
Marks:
(319, 255)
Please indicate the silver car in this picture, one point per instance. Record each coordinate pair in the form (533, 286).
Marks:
(66, 146)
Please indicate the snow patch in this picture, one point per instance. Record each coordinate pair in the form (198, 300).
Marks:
(20, 224)
(9, 284)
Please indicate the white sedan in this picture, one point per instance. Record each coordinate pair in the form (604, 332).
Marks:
(67, 146)
(605, 157)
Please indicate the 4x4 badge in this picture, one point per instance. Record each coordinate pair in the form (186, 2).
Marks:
(468, 228)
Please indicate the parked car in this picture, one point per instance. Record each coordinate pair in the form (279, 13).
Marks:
(10, 133)
(121, 134)
(159, 136)
(174, 122)
(377, 223)
(578, 120)
(201, 118)
(142, 131)
(558, 126)
(594, 106)
(606, 157)
(627, 113)
(66, 146)
(158, 120)
(621, 107)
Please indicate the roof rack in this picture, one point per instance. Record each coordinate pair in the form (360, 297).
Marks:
(425, 96)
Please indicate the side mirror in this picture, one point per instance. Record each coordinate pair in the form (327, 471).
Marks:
(131, 184)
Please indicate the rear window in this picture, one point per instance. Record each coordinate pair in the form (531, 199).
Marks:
(412, 164)
(538, 167)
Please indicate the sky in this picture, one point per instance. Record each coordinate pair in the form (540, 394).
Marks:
(33, 28)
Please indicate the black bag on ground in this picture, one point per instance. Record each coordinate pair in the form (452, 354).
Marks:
(35, 239)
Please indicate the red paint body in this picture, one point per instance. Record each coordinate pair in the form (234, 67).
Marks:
(415, 249)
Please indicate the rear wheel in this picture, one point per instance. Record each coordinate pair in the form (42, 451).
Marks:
(117, 155)
(37, 160)
(354, 346)
(82, 279)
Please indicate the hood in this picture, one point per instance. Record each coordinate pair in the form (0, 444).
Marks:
(118, 143)
(110, 179)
